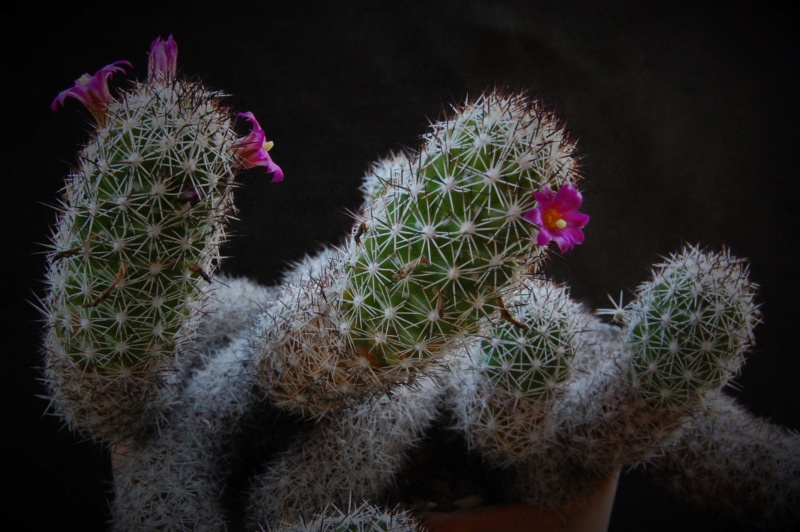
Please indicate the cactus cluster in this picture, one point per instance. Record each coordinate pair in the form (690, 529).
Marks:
(295, 406)
(568, 399)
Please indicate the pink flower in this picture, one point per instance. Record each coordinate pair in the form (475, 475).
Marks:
(163, 59)
(254, 147)
(92, 91)
(557, 217)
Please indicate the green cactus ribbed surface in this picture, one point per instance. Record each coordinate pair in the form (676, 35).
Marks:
(437, 248)
(690, 326)
(139, 227)
(532, 357)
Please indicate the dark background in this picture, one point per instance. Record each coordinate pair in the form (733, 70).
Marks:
(686, 119)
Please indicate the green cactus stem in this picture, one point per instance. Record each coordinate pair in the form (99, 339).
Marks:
(435, 252)
(141, 220)
(690, 326)
(442, 236)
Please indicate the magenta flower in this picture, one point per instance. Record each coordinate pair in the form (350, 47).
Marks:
(163, 59)
(254, 148)
(92, 91)
(557, 217)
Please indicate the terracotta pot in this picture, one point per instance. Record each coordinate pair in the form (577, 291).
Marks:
(590, 515)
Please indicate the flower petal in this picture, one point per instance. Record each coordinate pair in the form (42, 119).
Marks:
(544, 237)
(162, 64)
(252, 149)
(567, 199)
(534, 216)
(576, 219)
(92, 91)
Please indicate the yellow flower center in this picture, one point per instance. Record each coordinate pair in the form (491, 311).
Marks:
(83, 80)
(552, 219)
(268, 144)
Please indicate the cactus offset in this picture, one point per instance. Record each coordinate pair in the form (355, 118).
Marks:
(690, 326)
(516, 372)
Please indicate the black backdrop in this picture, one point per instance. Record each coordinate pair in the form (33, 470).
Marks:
(686, 119)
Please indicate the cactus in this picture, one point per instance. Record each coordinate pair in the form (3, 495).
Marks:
(138, 235)
(443, 234)
(364, 517)
(440, 246)
(512, 376)
(238, 406)
(690, 327)
(594, 399)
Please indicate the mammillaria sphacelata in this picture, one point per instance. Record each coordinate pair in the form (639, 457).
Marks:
(316, 389)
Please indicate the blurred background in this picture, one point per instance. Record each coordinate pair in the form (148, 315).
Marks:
(686, 119)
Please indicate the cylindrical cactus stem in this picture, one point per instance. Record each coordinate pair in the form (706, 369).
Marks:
(177, 478)
(442, 235)
(472, 185)
(438, 247)
(515, 372)
(183, 476)
(689, 328)
(355, 453)
(137, 237)
(509, 389)
(728, 461)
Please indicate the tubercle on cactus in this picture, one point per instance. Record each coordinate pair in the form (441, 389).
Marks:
(138, 233)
